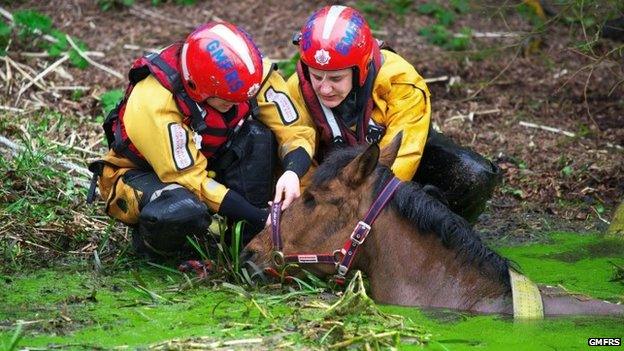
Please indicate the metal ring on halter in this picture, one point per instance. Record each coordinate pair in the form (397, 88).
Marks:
(278, 258)
(337, 257)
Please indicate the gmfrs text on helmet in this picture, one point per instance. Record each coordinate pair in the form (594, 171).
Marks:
(220, 60)
(337, 37)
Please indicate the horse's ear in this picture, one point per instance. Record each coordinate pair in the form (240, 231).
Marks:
(363, 165)
(389, 153)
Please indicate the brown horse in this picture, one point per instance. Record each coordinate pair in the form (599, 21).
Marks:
(418, 252)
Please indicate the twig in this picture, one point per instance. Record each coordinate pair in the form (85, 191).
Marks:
(12, 109)
(348, 342)
(6, 14)
(93, 144)
(546, 128)
(46, 54)
(494, 34)
(76, 148)
(599, 216)
(15, 65)
(34, 54)
(29, 243)
(88, 59)
(70, 87)
(136, 47)
(437, 79)
(43, 73)
(617, 147)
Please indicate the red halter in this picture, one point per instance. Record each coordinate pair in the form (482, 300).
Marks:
(341, 258)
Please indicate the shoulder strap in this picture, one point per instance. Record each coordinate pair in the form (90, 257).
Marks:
(197, 113)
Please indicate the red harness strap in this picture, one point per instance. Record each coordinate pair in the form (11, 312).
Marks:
(341, 258)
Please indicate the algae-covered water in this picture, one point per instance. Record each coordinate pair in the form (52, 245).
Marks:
(72, 307)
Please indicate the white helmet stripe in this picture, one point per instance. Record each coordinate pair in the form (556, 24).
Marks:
(237, 44)
(185, 72)
(330, 21)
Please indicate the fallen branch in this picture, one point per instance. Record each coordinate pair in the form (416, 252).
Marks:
(546, 128)
(15, 149)
(88, 59)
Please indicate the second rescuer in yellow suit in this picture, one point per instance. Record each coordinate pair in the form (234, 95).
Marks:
(401, 103)
(355, 91)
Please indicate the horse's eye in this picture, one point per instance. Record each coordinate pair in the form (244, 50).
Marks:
(308, 199)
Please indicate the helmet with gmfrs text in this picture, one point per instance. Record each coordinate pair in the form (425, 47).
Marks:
(334, 38)
(220, 60)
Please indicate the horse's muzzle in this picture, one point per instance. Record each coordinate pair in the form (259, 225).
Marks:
(247, 255)
(256, 273)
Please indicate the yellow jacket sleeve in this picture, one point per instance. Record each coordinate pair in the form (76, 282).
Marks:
(154, 125)
(282, 116)
(402, 103)
(304, 115)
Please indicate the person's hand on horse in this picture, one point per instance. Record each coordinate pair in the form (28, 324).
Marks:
(287, 189)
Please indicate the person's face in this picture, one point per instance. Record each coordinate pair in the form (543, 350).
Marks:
(220, 104)
(331, 87)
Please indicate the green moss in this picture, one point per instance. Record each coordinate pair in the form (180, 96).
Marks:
(581, 263)
(73, 306)
(495, 333)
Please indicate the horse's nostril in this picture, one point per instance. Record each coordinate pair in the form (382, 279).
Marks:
(247, 255)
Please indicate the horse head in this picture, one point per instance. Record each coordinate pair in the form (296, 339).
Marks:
(324, 216)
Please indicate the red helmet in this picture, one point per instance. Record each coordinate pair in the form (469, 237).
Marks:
(220, 60)
(337, 37)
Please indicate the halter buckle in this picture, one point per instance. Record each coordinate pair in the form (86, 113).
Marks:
(360, 232)
(342, 270)
(278, 258)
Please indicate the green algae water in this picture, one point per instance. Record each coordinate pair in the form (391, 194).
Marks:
(579, 263)
(73, 308)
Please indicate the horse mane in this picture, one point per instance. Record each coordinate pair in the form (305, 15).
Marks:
(428, 214)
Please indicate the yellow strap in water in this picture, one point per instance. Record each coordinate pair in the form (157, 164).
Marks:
(527, 301)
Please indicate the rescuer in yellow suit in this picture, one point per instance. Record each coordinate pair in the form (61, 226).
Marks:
(355, 91)
(199, 131)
